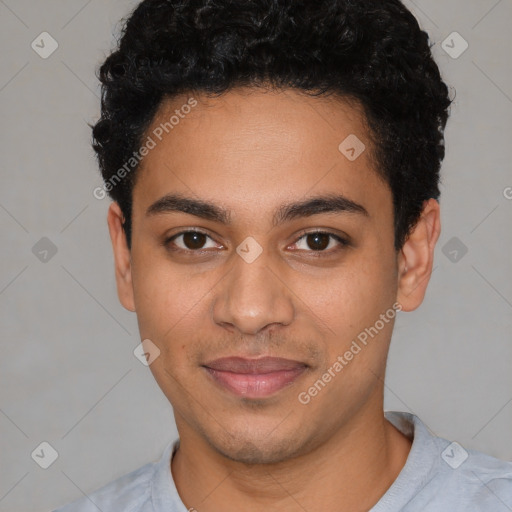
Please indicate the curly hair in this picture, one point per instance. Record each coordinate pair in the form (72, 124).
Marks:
(369, 51)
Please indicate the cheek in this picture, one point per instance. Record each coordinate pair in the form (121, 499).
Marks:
(167, 298)
(352, 296)
(351, 307)
(170, 308)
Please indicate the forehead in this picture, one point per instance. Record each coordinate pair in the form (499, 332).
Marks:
(252, 147)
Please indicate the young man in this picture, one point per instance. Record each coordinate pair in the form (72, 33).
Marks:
(274, 167)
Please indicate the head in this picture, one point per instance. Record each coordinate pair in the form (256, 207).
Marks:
(258, 124)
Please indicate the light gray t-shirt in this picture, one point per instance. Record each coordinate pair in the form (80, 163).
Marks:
(438, 476)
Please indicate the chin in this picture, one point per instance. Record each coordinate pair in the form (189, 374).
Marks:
(253, 448)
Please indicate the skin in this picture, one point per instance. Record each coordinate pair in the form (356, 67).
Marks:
(249, 151)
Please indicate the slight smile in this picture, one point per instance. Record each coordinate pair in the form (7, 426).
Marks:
(254, 378)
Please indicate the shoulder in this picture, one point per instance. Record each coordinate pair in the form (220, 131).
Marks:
(129, 493)
(442, 475)
(482, 480)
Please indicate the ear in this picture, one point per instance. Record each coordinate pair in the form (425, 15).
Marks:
(416, 258)
(122, 256)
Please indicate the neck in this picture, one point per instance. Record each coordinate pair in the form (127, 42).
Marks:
(350, 471)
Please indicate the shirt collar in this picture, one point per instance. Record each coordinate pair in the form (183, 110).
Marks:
(419, 469)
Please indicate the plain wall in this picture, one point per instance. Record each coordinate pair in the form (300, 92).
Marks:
(68, 373)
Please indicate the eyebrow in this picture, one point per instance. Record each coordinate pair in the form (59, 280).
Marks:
(330, 203)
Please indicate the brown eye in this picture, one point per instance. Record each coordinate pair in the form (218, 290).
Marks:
(319, 241)
(192, 241)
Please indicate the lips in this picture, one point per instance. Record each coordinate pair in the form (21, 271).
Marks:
(254, 378)
(253, 366)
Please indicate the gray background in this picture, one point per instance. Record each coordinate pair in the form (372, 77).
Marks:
(68, 373)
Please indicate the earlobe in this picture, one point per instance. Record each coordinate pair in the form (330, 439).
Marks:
(122, 257)
(416, 258)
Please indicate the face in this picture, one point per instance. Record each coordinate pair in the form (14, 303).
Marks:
(292, 257)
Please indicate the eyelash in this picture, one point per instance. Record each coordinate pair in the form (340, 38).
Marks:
(342, 241)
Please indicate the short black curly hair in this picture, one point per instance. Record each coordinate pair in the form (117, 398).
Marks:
(370, 51)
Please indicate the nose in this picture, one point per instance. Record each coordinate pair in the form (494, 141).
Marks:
(251, 297)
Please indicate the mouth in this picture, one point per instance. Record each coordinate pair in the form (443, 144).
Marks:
(254, 378)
